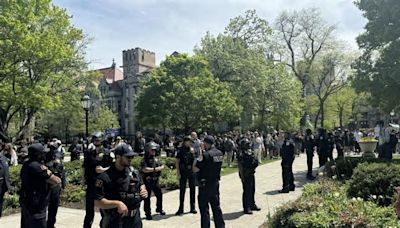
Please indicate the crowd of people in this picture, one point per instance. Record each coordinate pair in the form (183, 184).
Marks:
(118, 189)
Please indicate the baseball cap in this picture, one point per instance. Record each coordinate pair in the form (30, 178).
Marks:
(124, 150)
(209, 139)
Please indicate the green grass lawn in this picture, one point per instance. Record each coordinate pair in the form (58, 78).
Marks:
(228, 170)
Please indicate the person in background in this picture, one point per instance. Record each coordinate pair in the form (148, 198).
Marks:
(10, 154)
(4, 181)
(287, 154)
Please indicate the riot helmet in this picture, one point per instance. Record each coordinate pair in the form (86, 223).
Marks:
(245, 144)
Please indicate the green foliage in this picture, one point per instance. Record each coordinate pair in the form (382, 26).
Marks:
(375, 181)
(72, 194)
(325, 204)
(240, 58)
(377, 69)
(15, 179)
(74, 172)
(183, 94)
(42, 56)
(343, 168)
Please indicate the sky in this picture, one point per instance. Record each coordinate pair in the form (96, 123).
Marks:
(165, 26)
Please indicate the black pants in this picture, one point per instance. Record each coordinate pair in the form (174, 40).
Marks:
(249, 188)
(209, 194)
(340, 152)
(90, 193)
(125, 222)
(323, 158)
(29, 220)
(54, 202)
(1, 202)
(310, 155)
(74, 156)
(287, 175)
(153, 185)
(187, 177)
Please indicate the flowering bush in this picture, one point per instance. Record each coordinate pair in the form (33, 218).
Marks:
(375, 182)
(325, 204)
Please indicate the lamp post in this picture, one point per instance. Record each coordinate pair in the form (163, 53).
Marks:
(86, 104)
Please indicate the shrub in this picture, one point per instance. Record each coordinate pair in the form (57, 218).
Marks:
(375, 181)
(15, 179)
(74, 172)
(72, 193)
(325, 204)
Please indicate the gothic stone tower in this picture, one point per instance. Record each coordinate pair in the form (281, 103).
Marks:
(137, 63)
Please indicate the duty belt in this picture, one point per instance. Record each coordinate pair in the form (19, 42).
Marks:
(151, 178)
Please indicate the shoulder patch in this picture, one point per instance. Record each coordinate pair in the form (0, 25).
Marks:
(43, 167)
(218, 158)
(99, 183)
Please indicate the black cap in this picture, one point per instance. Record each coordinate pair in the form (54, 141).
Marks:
(35, 149)
(209, 139)
(124, 150)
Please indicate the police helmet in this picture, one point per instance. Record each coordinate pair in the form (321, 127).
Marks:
(151, 146)
(98, 136)
(35, 150)
(245, 144)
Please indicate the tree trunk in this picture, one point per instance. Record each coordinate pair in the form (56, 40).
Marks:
(29, 113)
(316, 118)
(341, 110)
(322, 114)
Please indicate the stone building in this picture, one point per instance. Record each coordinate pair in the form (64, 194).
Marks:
(119, 88)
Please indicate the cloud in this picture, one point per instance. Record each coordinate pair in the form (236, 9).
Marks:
(164, 26)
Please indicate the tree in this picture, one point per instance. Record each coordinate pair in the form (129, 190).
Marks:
(182, 93)
(343, 102)
(305, 37)
(69, 118)
(327, 78)
(242, 58)
(377, 69)
(41, 56)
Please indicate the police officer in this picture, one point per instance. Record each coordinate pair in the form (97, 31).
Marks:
(36, 181)
(308, 146)
(208, 166)
(184, 172)
(322, 147)
(97, 160)
(53, 161)
(119, 191)
(247, 164)
(287, 154)
(151, 170)
(4, 181)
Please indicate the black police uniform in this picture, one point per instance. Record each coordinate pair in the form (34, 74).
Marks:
(92, 159)
(308, 145)
(210, 163)
(34, 192)
(323, 149)
(54, 162)
(151, 181)
(123, 186)
(287, 153)
(75, 150)
(4, 180)
(247, 164)
(186, 158)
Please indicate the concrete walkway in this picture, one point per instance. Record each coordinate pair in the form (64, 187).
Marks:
(268, 182)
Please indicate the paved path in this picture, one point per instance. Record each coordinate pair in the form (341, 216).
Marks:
(268, 182)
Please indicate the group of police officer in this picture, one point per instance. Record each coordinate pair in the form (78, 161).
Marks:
(117, 189)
